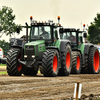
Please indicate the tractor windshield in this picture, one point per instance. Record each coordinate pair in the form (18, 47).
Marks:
(69, 35)
(40, 32)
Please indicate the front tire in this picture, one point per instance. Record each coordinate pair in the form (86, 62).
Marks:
(50, 63)
(66, 62)
(76, 63)
(14, 68)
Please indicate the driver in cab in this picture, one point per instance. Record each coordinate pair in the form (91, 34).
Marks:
(44, 33)
(72, 38)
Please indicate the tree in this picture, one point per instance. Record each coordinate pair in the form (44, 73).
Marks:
(94, 30)
(7, 24)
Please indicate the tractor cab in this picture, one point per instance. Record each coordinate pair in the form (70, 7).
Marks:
(75, 36)
(47, 31)
(41, 32)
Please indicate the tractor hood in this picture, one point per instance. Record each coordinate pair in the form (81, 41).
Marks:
(35, 47)
(34, 43)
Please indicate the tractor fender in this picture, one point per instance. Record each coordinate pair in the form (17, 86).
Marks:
(86, 51)
(17, 43)
(52, 47)
(64, 44)
(87, 47)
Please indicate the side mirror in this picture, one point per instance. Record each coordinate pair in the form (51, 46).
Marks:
(18, 30)
(85, 35)
(61, 30)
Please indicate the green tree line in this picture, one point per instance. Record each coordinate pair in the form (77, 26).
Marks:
(7, 23)
(94, 30)
(5, 46)
(7, 26)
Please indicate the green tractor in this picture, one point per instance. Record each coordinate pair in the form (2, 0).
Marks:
(85, 57)
(43, 49)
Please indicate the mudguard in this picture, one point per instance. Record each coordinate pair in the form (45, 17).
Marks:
(15, 42)
(63, 45)
(86, 50)
(87, 47)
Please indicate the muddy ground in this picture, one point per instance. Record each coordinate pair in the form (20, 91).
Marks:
(47, 88)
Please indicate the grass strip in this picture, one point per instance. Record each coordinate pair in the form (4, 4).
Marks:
(3, 72)
(2, 64)
(38, 71)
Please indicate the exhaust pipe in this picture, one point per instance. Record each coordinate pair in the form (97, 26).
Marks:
(26, 32)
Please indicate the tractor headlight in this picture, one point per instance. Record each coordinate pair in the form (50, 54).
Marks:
(33, 56)
(25, 56)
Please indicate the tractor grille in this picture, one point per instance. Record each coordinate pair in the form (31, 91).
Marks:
(29, 50)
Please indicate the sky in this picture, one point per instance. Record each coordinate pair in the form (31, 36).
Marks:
(73, 13)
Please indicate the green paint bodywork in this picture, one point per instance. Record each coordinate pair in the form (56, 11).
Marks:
(57, 44)
(39, 43)
(34, 43)
(82, 47)
(41, 48)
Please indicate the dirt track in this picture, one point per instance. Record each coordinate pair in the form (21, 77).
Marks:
(46, 88)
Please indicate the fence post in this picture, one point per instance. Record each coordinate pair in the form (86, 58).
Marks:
(77, 91)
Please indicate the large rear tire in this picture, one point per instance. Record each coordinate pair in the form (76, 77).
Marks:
(66, 62)
(76, 63)
(92, 62)
(50, 63)
(14, 68)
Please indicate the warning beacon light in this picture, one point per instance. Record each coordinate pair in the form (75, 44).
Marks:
(59, 19)
(83, 25)
(31, 17)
